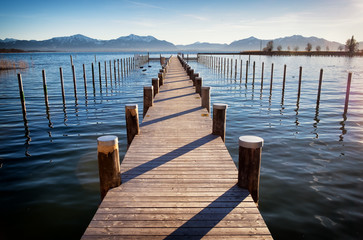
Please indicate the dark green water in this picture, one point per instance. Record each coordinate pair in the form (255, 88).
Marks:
(311, 176)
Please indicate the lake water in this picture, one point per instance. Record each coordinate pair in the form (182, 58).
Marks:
(311, 175)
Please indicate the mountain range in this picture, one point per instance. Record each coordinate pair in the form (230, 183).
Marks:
(137, 43)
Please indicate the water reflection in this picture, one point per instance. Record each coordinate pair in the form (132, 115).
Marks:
(344, 131)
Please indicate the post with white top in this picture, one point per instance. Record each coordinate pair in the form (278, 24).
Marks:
(219, 120)
(132, 122)
(155, 84)
(249, 163)
(206, 98)
(148, 98)
(108, 163)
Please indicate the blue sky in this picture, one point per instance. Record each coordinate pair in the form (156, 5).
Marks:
(183, 21)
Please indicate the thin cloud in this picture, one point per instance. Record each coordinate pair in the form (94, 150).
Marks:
(145, 5)
(195, 17)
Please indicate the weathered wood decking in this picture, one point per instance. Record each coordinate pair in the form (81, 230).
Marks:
(178, 180)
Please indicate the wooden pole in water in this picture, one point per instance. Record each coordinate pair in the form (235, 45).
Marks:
(74, 82)
(347, 93)
(246, 71)
(45, 89)
(284, 80)
(108, 163)
(299, 89)
(224, 68)
(249, 164)
(319, 89)
(84, 80)
(93, 78)
(231, 67)
(114, 70)
(219, 120)
(71, 60)
(132, 122)
(122, 74)
(110, 72)
(148, 98)
(106, 74)
(155, 83)
(262, 70)
(206, 98)
(272, 76)
(253, 76)
(62, 86)
(99, 75)
(198, 85)
(22, 97)
(240, 72)
(235, 69)
(118, 68)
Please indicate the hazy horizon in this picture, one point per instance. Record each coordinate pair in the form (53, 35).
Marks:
(183, 22)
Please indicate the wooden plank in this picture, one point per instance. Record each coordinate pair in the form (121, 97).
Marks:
(178, 180)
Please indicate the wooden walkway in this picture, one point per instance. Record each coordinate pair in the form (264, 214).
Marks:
(178, 180)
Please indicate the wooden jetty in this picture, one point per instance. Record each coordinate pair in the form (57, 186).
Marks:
(178, 180)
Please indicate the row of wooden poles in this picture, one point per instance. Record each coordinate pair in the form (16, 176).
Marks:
(225, 66)
(250, 147)
(121, 68)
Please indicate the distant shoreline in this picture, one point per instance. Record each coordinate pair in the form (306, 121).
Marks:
(291, 53)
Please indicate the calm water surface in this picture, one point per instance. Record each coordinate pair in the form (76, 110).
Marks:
(311, 175)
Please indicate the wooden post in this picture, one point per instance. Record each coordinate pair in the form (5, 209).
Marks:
(272, 76)
(122, 73)
(224, 67)
(263, 67)
(62, 86)
(124, 67)
(191, 73)
(240, 72)
(231, 67)
(71, 60)
(206, 98)
(108, 163)
(99, 75)
(227, 67)
(319, 89)
(235, 69)
(148, 98)
(253, 75)
(118, 68)
(299, 89)
(155, 83)
(161, 80)
(110, 72)
(284, 80)
(347, 93)
(22, 97)
(74, 82)
(195, 75)
(198, 85)
(84, 80)
(246, 70)
(132, 122)
(114, 70)
(45, 89)
(106, 74)
(93, 78)
(249, 164)
(219, 120)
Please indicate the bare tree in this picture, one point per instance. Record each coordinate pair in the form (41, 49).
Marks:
(340, 48)
(279, 48)
(351, 45)
(308, 47)
(296, 48)
(269, 46)
(318, 48)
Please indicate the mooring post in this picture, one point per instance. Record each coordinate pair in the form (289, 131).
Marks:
(106, 74)
(71, 60)
(22, 97)
(347, 93)
(191, 73)
(272, 77)
(148, 98)
(198, 85)
(299, 89)
(114, 70)
(253, 74)
(74, 82)
(99, 75)
(108, 163)
(62, 86)
(319, 89)
(219, 120)
(249, 163)
(263, 67)
(206, 98)
(155, 83)
(132, 122)
(246, 70)
(84, 80)
(240, 72)
(161, 80)
(284, 80)
(45, 89)
(93, 78)
(110, 71)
